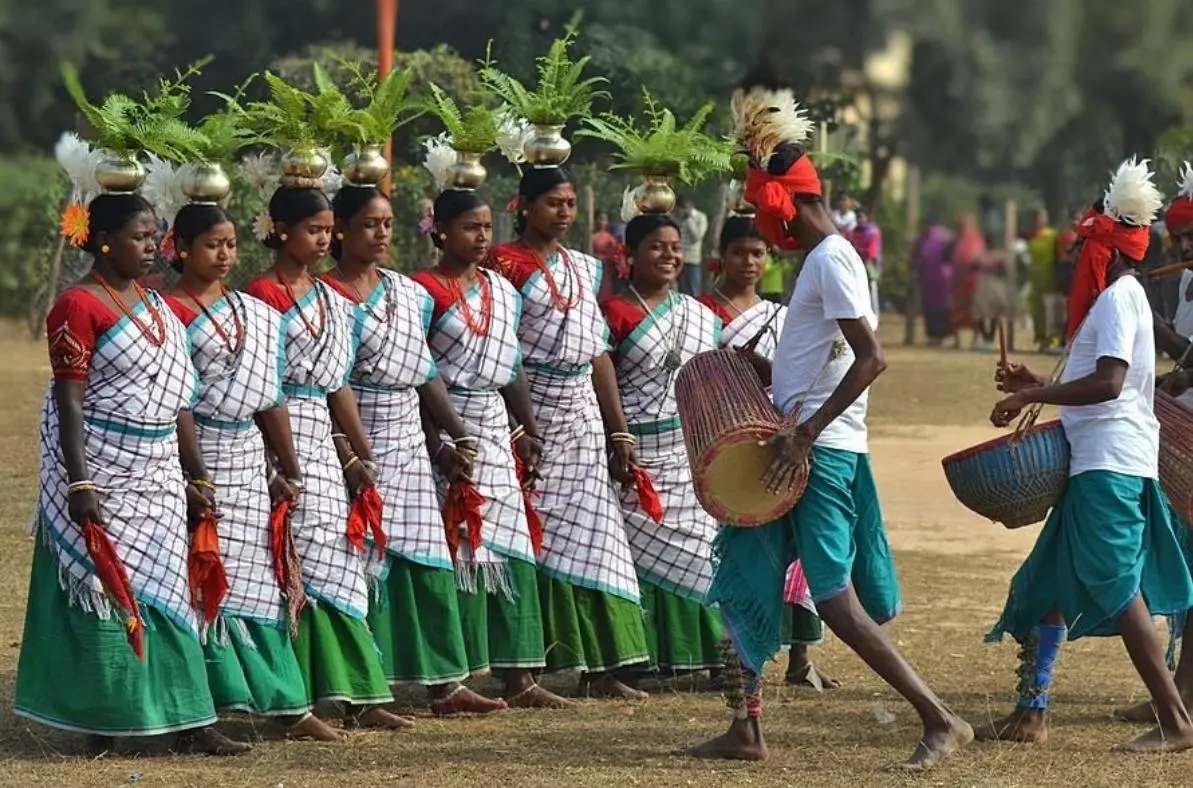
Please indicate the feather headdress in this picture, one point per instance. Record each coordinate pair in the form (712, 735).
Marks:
(513, 132)
(1179, 215)
(163, 188)
(439, 158)
(1185, 182)
(1132, 197)
(79, 160)
(764, 118)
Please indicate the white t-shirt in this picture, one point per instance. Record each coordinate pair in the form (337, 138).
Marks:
(1121, 435)
(1182, 323)
(831, 286)
(846, 221)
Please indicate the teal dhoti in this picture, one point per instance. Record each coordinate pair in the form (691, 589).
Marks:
(1110, 538)
(836, 530)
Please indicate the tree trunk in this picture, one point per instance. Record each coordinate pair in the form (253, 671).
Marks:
(41, 307)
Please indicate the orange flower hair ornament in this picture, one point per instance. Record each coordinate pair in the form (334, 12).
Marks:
(74, 223)
(78, 160)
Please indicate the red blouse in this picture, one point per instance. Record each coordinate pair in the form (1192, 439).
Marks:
(514, 261)
(338, 286)
(717, 306)
(184, 312)
(267, 289)
(623, 317)
(441, 293)
(75, 323)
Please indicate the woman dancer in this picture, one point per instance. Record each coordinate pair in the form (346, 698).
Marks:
(474, 343)
(235, 342)
(655, 330)
(587, 584)
(334, 646)
(114, 428)
(744, 315)
(415, 617)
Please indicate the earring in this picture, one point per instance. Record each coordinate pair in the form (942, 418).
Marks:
(283, 237)
(339, 236)
(183, 254)
(442, 236)
(104, 249)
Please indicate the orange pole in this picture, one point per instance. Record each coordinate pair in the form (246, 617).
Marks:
(387, 26)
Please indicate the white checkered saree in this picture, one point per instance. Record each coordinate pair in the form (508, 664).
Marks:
(392, 359)
(746, 326)
(475, 368)
(233, 388)
(675, 554)
(563, 341)
(737, 333)
(584, 535)
(131, 400)
(316, 366)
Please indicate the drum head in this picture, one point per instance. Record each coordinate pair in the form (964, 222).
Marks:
(729, 482)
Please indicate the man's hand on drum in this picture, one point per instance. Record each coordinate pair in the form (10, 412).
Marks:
(792, 445)
(1007, 410)
(622, 462)
(1175, 383)
(1012, 378)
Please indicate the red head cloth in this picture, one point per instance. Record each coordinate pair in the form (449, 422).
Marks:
(1179, 215)
(771, 195)
(1101, 236)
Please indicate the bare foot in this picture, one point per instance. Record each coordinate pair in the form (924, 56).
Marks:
(100, 745)
(311, 728)
(535, 697)
(938, 744)
(464, 701)
(742, 742)
(1141, 712)
(808, 675)
(606, 685)
(209, 741)
(377, 717)
(1027, 726)
(1159, 740)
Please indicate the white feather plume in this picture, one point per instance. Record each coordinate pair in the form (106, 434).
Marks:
(1132, 197)
(764, 118)
(333, 179)
(79, 160)
(1185, 182)
(629, 205)
(513, 132)
(440, 158)
(260, 170)
(163, 188)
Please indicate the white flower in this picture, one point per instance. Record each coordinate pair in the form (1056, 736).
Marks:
(262, 225)
(513, 132)
(79, 160)
(440, 158)
(163, 188)
(260, 171)
(629, 205)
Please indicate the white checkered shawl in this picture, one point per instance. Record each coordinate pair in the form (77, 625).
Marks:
(584, 539)
(131, 401)
(477, 363)
(746, 326)
(392, 359)
(232, 390)
(563, 342)
(332, 571)
(674, 554)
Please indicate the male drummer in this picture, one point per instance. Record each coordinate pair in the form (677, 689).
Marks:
(826, 359)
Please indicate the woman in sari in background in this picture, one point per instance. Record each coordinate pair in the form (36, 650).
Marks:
(935, 275)
(120, 476)
(968, 247)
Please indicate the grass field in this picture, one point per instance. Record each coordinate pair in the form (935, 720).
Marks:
(954, 568)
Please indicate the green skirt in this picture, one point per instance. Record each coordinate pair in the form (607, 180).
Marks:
(589, 630)
(500, 632)
(416, 623)
(681, 633)
(254, 669)
(836, 530)
(801, 627)
(338, 658)
(1108, 539)
(78, 673)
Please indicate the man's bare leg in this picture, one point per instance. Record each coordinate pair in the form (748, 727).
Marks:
(801, 672)
(1175, 730)
(1144, 712)
(743, 692)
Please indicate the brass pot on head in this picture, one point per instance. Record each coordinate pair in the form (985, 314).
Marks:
(655, 195)
(204, 182)
(304, 162)
(365, 166)
(547, 148)
(467, 173)
(119, 173)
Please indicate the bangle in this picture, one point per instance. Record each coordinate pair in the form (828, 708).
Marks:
(464, 439)
(439, 451)
(273, 477)
(81, 486)
(335, 435)
(351, 461)
(204, 483)
(623, 437)
(518, 433)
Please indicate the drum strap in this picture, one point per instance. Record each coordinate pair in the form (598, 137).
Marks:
(753, 342)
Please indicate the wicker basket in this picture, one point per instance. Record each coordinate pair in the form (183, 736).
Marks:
(1015, 479)
(1176, 453)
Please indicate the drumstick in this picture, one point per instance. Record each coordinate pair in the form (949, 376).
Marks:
(1002, 344)
(1172, 268)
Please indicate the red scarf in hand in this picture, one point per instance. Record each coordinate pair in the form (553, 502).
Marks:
(463, 507)
(533, 521)
(772, 196)
(114, 577)
(286, 567)
(205, 570)
(365, 515)
(648, 497)
(1101, 236)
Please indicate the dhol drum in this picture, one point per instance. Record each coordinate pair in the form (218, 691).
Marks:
(726, 417)
(1176, 453)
